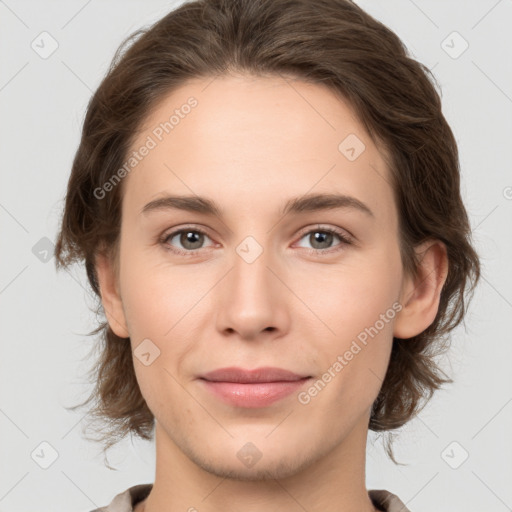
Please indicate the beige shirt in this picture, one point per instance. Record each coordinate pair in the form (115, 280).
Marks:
(125, 501)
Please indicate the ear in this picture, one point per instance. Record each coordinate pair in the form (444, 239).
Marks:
(420, 295)
(110, 296)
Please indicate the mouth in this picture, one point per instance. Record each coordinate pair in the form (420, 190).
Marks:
(260, 387)
(257, 375)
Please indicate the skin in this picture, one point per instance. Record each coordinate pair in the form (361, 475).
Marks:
(251, 144)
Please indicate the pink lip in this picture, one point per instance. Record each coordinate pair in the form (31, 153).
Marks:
(252, 388)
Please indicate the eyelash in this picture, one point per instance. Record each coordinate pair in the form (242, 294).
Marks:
(344, 240)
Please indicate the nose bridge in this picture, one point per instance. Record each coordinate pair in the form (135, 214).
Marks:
(251, 279)
(252, 299)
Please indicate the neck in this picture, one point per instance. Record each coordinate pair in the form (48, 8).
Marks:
(331, 482)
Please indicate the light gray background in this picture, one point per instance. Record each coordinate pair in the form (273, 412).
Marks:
(45, 316)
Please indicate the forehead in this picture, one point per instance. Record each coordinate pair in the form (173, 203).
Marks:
(230, 138)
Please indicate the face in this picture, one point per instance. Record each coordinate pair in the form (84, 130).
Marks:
(314, 291)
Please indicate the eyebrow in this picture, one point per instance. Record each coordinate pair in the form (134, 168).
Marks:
(307, 203)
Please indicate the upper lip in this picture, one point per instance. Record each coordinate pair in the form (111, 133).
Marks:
(264, 374)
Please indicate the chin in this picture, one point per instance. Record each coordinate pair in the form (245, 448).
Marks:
(261, 471)
(257, 460)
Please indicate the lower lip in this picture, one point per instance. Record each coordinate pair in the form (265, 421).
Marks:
(258, 394)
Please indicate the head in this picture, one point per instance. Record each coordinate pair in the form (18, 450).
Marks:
(247, 104)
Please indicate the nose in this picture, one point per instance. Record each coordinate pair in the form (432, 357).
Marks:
(252, 297)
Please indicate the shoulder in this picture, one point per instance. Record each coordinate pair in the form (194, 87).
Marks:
(126, 500)
(387, 501)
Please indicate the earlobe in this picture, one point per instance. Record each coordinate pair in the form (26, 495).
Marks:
(110, 296)
(420, 296)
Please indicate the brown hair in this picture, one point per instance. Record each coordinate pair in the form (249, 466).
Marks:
(331, 42)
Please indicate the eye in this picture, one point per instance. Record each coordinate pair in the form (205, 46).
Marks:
(191, 239)
(321, 239)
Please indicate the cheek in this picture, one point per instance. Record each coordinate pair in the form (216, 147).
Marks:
(165, 398)
(157, 297)
(161, 304)
(354, 360)
(357, 307)
(347, 300)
